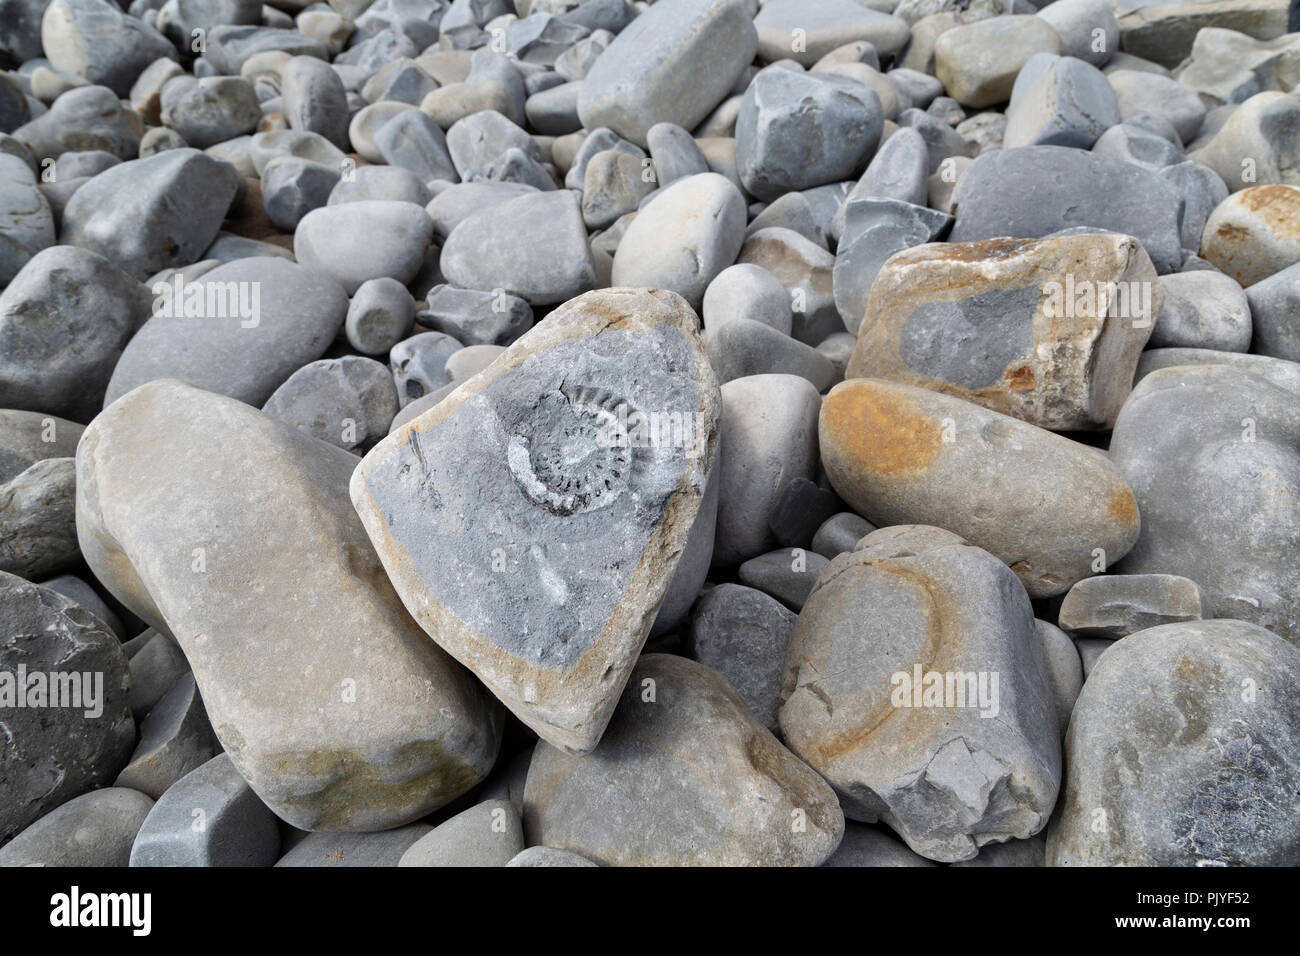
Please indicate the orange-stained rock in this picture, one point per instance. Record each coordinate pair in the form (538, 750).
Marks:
(1254, 233)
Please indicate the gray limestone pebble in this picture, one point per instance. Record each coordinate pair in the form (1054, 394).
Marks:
(1090, 650)
(1185, 767)
(554, 111)
(1117, 605)
(99, 41)
(516, 166)
(614, 184)
(146, 214)
(1208, 449)
(313, 99)
(1037, 190)
(263, 147)
(365, 123)
(478, 139)
(673, 64)
(28, 437)
(476, 318)
(411, 140)
(53, 754)
(175, 738)
(598, 141)
(548, 856)
(357, 241)
(66, 295)
(743, 347)
(1063, 667)
(1059, 101)
(95, 829)
(799, 130)
(340, 713)
(942, 142)
(533, 246)
(950, 764)
(260, 319)
(982, 132)
(210, 110)
(401, 81)
(841, 532)
(594, 437)
(787, 575)
(769, 438)
(1254, 146)
(156, 667)
(419, 364)
(1137, 147)
(26, 219)
(293, 186)
(747, 291)
(683, 237)
(1030, 852)
(209, 817)
(899, 170)
(38, 529)
(507, 780)
(867, 845)
(1280, 372)
(384, 848)
(380, 314)
(230, 45)
(87, 118)
(465, 363)
(674, 152)
(487, 834)
(686, 775)
(461, 200)
(978, 62)
(742, 633)
(1273, 302)
(392, 183)
(925, 92)
(82, 593)
(346, 401)
(824, 27)
(1201, 190)
(1078, 23)
(1202, 310)
(1139, 91)
(87, 162)
(804, 506)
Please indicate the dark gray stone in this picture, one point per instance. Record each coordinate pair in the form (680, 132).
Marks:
(38, 528)
(346, 401)
(175, 738)
(476, 318)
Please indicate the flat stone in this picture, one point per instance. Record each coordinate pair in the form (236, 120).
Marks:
(1229, 67)
(548, 856)
(533, 246)
(949, 762)
(1048, 331)
(66, 657)
(1117, 605)
(799, 130)
(673, 64)
(1208, 449)
(823, 27)
(1037, 190)
(1280, 372)
(744, 348)
(865, 845)
(787, 575)
(260, 319)
(899, 170)
(487, 834)
(347, 401)
(680, 240)
(573, 432)
(93, 830)
(1183, 766)
(38, 531)
(175, 738)
(210, 817)
(148, 214)
(476, 318)
(1049, 507)
(841, 532)
(357, 241)
(330, 733)
(687, 776)
(769, 438)
(355, 849)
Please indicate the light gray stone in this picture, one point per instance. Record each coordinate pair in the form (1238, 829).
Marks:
(210, 110)
(357, 241)
(93, 830)
(355, 849)
(487, 834)
(1202, 310)
(347, 401)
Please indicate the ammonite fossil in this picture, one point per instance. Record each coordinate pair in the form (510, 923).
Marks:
(571, 453)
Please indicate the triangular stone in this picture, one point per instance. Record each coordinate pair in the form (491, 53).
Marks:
(532, 520)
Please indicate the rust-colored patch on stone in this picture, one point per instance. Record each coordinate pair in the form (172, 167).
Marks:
(1277, 204)
(984, 249)
(1230, 233)
(881, 431)
(1020, 379)
(1123, 506)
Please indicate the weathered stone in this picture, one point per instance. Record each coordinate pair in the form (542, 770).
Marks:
(840, 533)
(29, 437)
(787, 574)
(865, 845)
(88, 118)
(1077, 23)
(93, 830)
(1258, 145)
(210, 110)
(487, 834)
(175, 738)
(330, 733)
(1273, 303)
(672, 64)
(1059, 101)
(239, 330)
(1209, 450)
(38, 532)
(581, 500)
(1037, 500)
(314, 99)
(26, 220)
(807, 272)
(1187, 769)
(1117, 605)
(548, 856)
(1063, 668)
(347, 401)
(746, 291)
(293, 186)
(156, 668)
(1048, 331)
(63, 703)
(743, 348)
(613, 186)
(1254, 233)
(1038, 190)
(686, 776)
(1202, 309)
(889, 692)
(823, 27)
(355, 849)
(1165, 33)
(978, 62)
(1280, 372)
